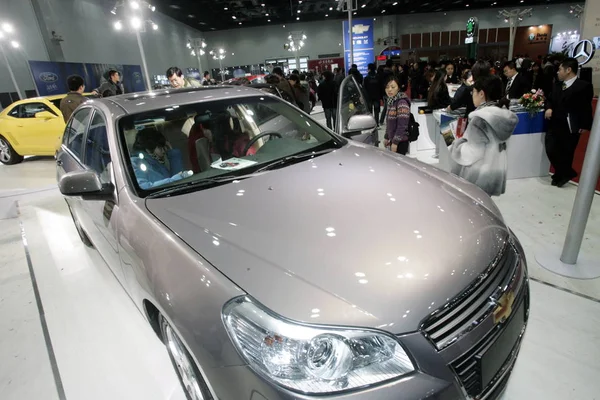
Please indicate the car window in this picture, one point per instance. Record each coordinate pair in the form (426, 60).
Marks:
(352, 101)
(56, 103)
(29, 110)
(74, 132)
(15, 112)
(97, 152)
(226, 137)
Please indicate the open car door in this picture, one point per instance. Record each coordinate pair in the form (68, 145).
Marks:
(354, 119)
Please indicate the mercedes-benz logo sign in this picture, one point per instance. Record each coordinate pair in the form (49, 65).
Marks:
(583, 52)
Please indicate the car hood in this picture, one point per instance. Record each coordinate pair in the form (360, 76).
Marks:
(356, 237)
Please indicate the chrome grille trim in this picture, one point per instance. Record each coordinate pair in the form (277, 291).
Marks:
(467, 310)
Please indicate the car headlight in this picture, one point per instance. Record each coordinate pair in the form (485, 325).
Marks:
(312, 359)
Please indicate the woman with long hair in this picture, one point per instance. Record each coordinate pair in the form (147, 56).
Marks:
(438, 96)
(398, 117)
(301, 93)
(480, 155)
(464, 96)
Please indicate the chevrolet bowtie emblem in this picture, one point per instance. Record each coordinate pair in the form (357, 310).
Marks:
(504, 309)
(583, 51)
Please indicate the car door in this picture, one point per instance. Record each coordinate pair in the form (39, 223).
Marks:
(38, 135)
(69, 157)
(99, 218)
(352, 101)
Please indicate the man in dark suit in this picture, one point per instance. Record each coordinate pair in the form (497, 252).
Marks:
(517, 84)
(569, 111)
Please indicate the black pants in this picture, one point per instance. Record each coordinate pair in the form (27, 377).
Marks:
(375, 109)
(384, 113)
(560, 148)
(403, 148)
(330, 117)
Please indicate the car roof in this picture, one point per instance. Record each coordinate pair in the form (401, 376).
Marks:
(133, 103)
(40, 98)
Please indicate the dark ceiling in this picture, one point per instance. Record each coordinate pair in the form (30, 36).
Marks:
(207, 15)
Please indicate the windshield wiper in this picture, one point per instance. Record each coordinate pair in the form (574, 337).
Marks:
(196, 185)
(293, 159)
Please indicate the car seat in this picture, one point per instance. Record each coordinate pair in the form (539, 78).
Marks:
(172, 132)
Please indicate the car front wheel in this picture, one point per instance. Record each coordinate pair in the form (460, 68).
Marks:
(189, 376)
(8, 155)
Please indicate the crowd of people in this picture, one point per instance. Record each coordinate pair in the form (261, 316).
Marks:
(483, 96)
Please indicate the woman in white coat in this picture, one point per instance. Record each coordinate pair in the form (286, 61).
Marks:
(480, 155)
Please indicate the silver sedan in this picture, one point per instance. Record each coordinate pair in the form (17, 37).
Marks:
(277, 259)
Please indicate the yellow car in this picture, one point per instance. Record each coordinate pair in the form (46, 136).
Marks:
(31, 127)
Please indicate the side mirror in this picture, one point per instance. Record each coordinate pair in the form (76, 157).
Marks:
(359, 123)
(87, 185)
(45, 115)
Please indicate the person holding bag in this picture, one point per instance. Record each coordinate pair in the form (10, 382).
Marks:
(398, 117)
(480, 155)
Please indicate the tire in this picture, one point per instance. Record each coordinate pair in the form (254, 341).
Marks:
(189, 376)
(82, 235)
(8, 155)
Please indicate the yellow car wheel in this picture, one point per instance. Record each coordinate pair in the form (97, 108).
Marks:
(8, 155)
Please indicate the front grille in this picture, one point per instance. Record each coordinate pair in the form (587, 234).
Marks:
(472, 306)
(468, 369)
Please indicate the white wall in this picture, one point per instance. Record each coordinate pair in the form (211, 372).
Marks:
(254, 45)
(89, 36)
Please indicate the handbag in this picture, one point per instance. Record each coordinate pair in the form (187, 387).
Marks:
(413, 129)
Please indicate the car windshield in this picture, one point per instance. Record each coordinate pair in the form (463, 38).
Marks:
(188, 145)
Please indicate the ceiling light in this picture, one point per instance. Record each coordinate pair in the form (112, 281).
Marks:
(14, 44)
(153, 8)
(118, 25)
(136, 23)
(363, 6)
(330, 8)
(240, 23)
(326, 15)
(268, 20)
(135, 5)
(7, 28)
(191, 16)
(234, 17)
(297, 18)
(354, 13)
(298, 11)
(395, 3)
(541, 26)
(154, 26)
(114, 11)
(284, 26)
(382, 11)
(263, 4)
(226, 8)
(467, 5)
(522, 1)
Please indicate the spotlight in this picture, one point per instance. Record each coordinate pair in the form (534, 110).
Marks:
(7, 28)
(135, 5)
(154, 26)
(114, 11)
(188, 45)
(14, 44)
(118, 25)
(136, 23)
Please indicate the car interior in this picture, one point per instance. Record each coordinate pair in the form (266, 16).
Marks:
(215, 136)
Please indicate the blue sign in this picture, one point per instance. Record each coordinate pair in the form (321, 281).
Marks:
(363, 43)
(51, 77)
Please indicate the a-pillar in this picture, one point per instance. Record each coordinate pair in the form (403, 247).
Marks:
(591, 28)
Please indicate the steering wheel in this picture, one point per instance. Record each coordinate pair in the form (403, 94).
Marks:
(260, 136)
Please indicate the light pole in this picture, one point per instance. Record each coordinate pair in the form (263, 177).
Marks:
(138, 24)
(197, 46)
(513, 17)
(295, 43)
(8, 29)
(219, 54)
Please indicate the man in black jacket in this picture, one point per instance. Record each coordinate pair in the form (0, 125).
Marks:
(374, 93)
(327, 95)
(517, 84)
(569, 111)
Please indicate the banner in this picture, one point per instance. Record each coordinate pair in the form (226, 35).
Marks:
(363, 42)
(51, 77)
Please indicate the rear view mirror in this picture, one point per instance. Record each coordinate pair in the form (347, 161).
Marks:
(85, 184)
(359, 123)
(45, 115)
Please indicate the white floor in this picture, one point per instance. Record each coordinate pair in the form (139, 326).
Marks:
(103, 348)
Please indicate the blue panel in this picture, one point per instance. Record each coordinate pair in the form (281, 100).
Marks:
(51, 78)
(362, 59)
(528, 124)
(362, 34)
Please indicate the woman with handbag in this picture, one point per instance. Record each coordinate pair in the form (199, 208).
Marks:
(398, 117)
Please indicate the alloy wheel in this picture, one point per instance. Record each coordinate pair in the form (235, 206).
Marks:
(184, 365)
(5, 151)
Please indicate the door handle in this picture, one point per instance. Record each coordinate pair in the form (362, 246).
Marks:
(59, 163)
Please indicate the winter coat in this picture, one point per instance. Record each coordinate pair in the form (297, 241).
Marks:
(463, 98)
(326, 92)
(191, 83)
(109, 86)
(151, 173)
(480, 155)
(69, 103)
(398, 118)
(372, 86)
(302, 98)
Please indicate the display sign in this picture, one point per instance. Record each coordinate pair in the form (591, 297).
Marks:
(472, 29)
(325, 64)
(563, 43)
(362, 37)
(51, 77)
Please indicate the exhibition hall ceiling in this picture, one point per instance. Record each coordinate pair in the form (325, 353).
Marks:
(207, 15)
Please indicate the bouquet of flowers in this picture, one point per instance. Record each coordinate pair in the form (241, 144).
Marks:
(533, 102)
